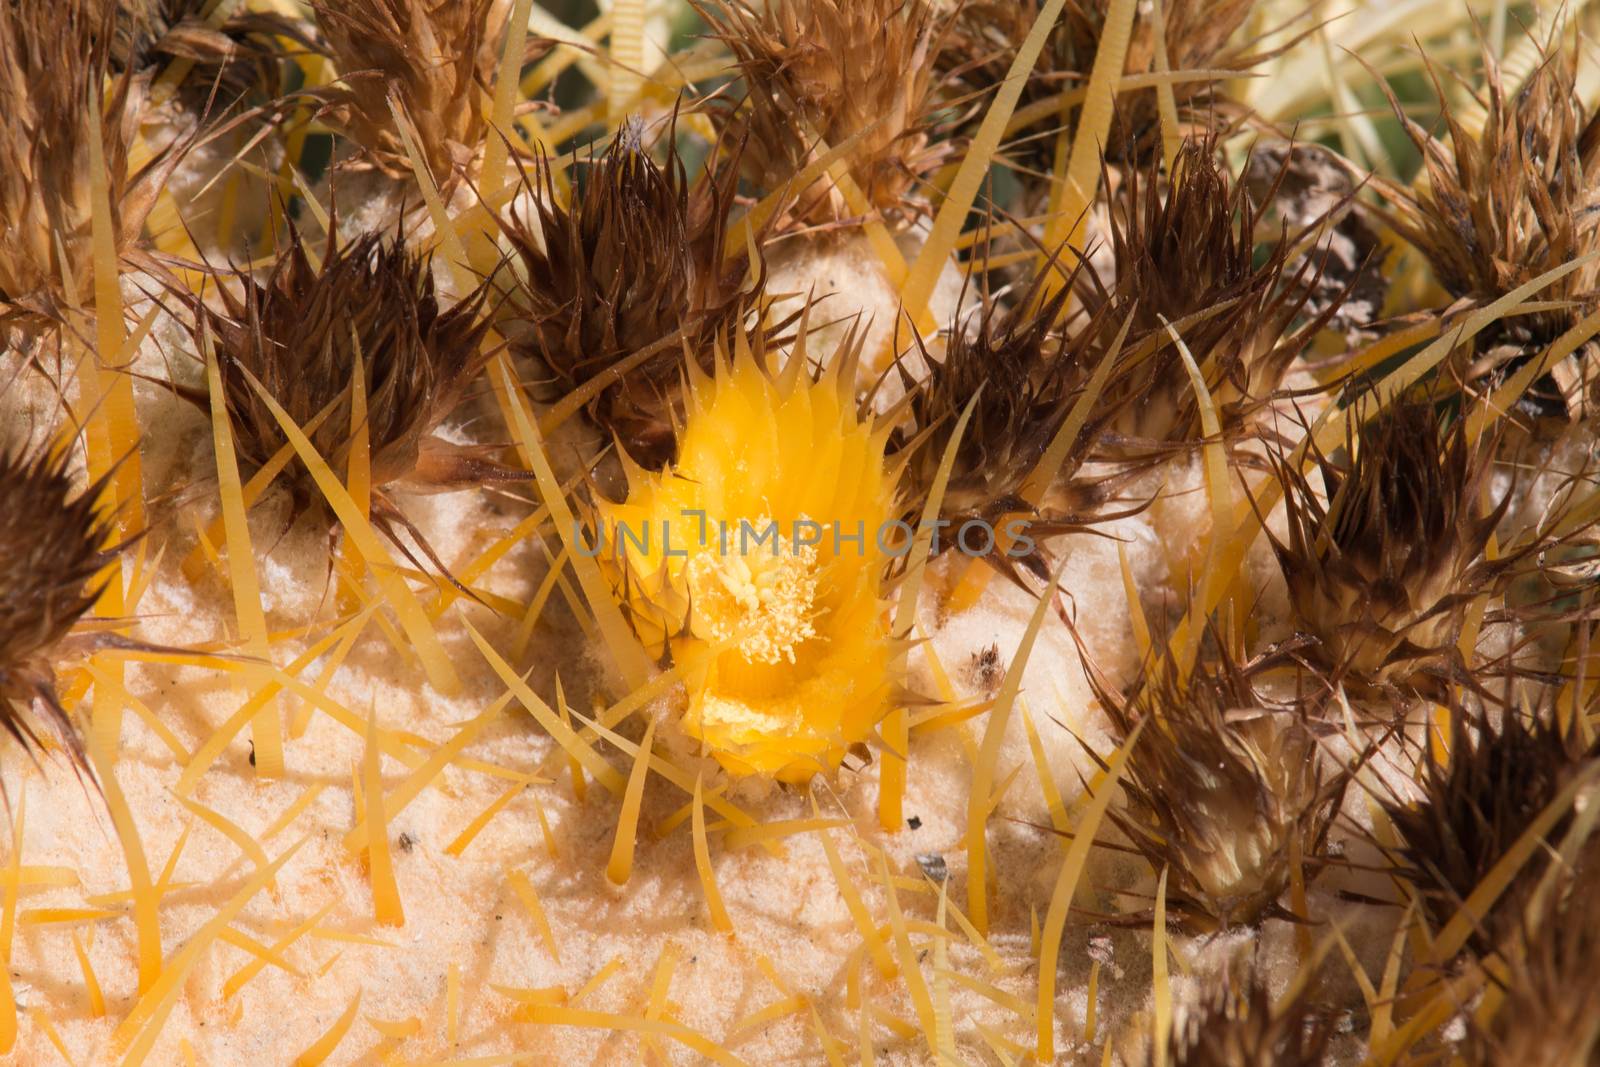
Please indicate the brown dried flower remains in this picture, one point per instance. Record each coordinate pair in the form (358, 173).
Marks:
(1501, 773)
(1224, 789)
(1183, 248)
(1550, 1016)
(304, 330)
(52, 545)
(435, 57)
(986, 35)
(1027, 370)
(634, 267)
(1506, 205)
(52, 56)
(239, 55)
(827, 70)
(1383, 562)
(1235, 1028)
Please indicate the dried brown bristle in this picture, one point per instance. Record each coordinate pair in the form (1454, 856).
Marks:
(433, 56)
(1242, 1029)
(297, 332)
(829, 70)
(1027, 370)
(1184, 253)
(987, 34)
(52, 56)
(636, 262)
(1506, 205)
(1382, 564)
(1223, 788)
(1501, 773)
(1550, 1016)
(52, 545)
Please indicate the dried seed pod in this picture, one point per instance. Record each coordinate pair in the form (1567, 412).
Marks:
(433, 57)
(52, 56)
(1183, 250)
(1223, 789)
(1505, 205)
(1501, 774)
(986, 35)
(1382, 564)
(828, 70)
(52, 545)
(303, 331)
(636, 264)
(1244, 1029)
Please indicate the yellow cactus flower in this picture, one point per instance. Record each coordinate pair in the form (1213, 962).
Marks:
(757, 558)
